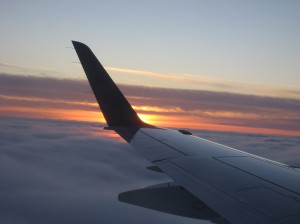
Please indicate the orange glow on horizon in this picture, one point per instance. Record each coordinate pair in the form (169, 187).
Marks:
(195, 123)
(158, 109)
(37, 100)
(59, 114)
(171, 121)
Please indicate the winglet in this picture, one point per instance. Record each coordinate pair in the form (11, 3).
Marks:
(115, 108)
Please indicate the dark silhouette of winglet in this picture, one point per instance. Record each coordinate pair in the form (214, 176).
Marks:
(116, 109)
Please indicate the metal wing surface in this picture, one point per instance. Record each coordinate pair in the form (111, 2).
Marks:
(231, 186)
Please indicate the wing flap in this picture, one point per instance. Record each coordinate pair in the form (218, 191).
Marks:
(233, 210)
(257, 193)
(274, 173)
(172, 199)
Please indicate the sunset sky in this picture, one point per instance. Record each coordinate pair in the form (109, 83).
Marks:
(212, 65)
(228, 71)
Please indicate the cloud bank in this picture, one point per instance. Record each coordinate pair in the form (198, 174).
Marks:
(31, 96)
(156, 79)
(72, 172)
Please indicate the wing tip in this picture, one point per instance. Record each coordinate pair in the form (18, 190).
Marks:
(78, 44)
(114, 106)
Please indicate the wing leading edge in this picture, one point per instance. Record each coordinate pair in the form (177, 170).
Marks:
(238, 186)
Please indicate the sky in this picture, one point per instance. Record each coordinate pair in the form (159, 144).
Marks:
(242, 42)
(225, 70)
(65, 99)
(249, 49)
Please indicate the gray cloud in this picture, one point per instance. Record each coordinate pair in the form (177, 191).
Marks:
(214, 107)
(45, 87)
(72, 172)
(246, 110)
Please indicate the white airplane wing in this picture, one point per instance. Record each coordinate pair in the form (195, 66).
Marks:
(211, 181)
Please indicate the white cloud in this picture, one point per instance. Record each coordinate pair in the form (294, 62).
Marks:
(70, 172)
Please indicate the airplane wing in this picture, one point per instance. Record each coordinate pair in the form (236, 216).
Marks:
(230, 185)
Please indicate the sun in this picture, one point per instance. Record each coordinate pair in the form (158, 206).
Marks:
(147, 118)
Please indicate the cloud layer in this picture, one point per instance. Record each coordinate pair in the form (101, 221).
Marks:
(72, 99)
(156, 79)
(72, 172)
(69, 172)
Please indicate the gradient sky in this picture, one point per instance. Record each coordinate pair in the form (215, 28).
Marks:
(249, 48)
(66, 99)
(253, 42)
(227, 69)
